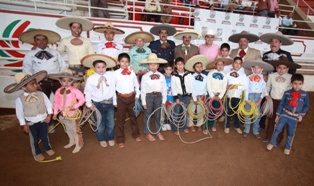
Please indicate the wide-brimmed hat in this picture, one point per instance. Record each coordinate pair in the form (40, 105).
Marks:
(28, 36)
(284, 61)
(65, 22)
(130, 39)
(226, 61)
(192, 33)
(152, 58)
(170, 29)
(88, 60)
(209, 32)
(21, 79)
(244, 34)
(266, 38)
(259, 62)
(195, 59)
(66, 73)
(108, 27)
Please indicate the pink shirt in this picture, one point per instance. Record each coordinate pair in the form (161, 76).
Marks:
(210, 51)
(74, 96)
(272, 5)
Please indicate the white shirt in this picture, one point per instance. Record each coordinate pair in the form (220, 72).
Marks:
(32, 64)
(215, 86)
(104, 92)
(112, 52)
(199, 87)
(277, 89)
(242, 79)
(126, 84)
(177, 86)
(158, 85)
(20, 112)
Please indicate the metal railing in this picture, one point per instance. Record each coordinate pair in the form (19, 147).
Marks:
(309, 8)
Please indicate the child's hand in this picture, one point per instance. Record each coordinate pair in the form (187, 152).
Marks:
(92, 107)
(54, 117)
(48, 118)
(248, 102)
(300, 118)
(216, 98)
(132, 69)
(277, 119)
(267, 97)
(115, 106)
(258, 102)
(25, 129)
(196, 102)
(177, 101)
(145, 107)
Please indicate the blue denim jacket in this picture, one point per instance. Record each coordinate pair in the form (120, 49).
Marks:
(303, 103)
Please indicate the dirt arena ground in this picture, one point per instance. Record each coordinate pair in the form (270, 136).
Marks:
(226, 159)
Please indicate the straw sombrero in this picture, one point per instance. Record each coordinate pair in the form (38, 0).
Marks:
(192, 33)
(266, 38)
(88, 60)
(244, 34)
(156, 29)
(284, 61)
(28, 36)
(130, 39)
(108, 27)
(66, 73)
(259, 62)
(152, 58)
(209, 32)
(21, 79)
(65, 22)
(226, 61)
(198, 58)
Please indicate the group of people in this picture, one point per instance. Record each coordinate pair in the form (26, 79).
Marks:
(160, 75)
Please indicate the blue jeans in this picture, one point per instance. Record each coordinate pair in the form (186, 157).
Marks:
(235, 106)
(153, 101)
(39, 131)
(253, 97)
(178, 109)
(105, 131)
(291, 126)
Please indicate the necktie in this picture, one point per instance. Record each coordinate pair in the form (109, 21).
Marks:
(31, 98)
(140, 50)
(280, 79)
(154, 76)
(199, 77)
(294, 101)
(255, 78)
(43, 54)
(125, 72)
(218, 76)
(234, 74)
(242, 53)
(186, 49)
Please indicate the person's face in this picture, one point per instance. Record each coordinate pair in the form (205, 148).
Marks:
(198, 67)
(257, 69)
(296, 85)
(139, 42)
(224, 52)
(163, 34)
(100, 68)
(76, 29)
(220, 66)
(186, 40)
(289, 15)
(282, 69)
(275, 45)
(237, 64)
(66, 82)
(209, 39)
(180, 66)
(243, 43)
(153, 67)
(168, 71)
(41, 41)
(278, 12)
(109, 35)
(32, 86)
(124, 63)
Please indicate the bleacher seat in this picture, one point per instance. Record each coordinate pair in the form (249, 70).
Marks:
(175, 17)
(138, 14)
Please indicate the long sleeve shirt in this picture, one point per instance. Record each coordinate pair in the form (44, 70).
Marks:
(241, 80)
(199, 86)
(152, 5)
(109, 48)
(136, 57)
(149, 85)
(211, 51)
(126, 84)
(181, 84)
(216, 83)
(256, 85)
(276, 89)
(270, 56)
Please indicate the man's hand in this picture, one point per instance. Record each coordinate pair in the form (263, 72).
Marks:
(25, 129)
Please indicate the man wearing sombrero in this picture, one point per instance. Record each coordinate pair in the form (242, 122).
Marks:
(75, 45)
(275, 40)
(186, 50)
(109, 47)
(209, 48)
(163, 47)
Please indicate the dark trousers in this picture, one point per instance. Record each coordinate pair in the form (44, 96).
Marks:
(271, 124)
(100, 4)
(48, 86)
(157, 17)
(262, 122)
(126, 105)
(235, 106)
(39, 131)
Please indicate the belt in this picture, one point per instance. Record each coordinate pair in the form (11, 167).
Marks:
(76, 66)
(106, 101)
(216, 93)
(126, 95)
(290, 113)
(154, 93)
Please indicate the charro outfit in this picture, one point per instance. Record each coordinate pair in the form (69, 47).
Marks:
(109, 48)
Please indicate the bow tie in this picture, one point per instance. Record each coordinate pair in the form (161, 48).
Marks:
(65, 91)
(154, 76)
(31, 98)
(242, 53)
(100, 80)
(234, 74)
(110, 44)
(255, 78)
(294, 100)
(125, 72)
(186, 47)
(43, 54)
(280, 79)
(218, 76)
(199, 77)
(140, 50)
(165, 45)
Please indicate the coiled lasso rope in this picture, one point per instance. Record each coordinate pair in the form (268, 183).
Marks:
(267, 108)
(198, 115)
(248, 116)
(87, 116)
(212, 112)
(228, 103)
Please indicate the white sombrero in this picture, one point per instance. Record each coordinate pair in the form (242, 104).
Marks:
(186, 32)
(266, 38)
(195, 59)
(226, 61)
(65, 22)
(21, 79)
(170, 29)
(108, 27)
(28, 36)
(244, 34)
(66, 73)
(267, 67)
(130, 39)
(209, 32)
(88, 60)
(152, 58)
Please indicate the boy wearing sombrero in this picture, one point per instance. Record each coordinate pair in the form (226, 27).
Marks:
(186, 50)
(75, 45)
(153, 94)
(67, 101)
(33, 110)
(255, 92)
(100, 93)
(276, 85)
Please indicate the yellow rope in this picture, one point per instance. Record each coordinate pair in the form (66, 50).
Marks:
(248, 116)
